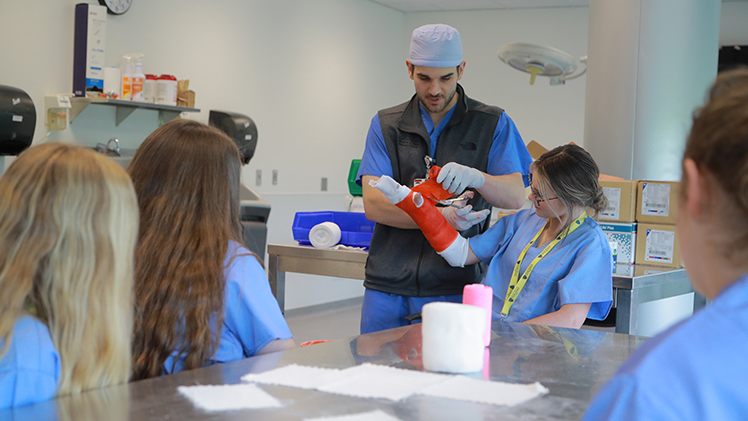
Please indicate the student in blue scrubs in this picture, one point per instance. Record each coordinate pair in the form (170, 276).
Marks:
(200, 296)
(68, 224)
(697, 369)
(549, 265)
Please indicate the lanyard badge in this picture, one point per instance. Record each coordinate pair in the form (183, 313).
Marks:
(516, 284)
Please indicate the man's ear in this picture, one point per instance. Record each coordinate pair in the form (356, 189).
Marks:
(410, 68)
(461, 70)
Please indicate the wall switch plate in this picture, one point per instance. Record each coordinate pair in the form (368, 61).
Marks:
(275, 177)
(323, 185)
(258, 178)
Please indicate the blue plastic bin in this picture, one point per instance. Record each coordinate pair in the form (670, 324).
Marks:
(355, 229)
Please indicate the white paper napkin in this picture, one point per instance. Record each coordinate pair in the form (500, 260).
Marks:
(378, 381)
(495, 393)
(303, 377)
(377, 415)
(229, 397)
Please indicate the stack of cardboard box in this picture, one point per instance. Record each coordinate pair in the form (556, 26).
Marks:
(646, 208)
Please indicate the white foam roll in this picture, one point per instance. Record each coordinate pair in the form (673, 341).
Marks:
(324, 235)
(452, 337)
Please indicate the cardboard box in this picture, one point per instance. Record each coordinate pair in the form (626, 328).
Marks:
(644, 270)
(536, 149)
(623, 237)
(185, 96)
(657, 201)
(621, 196)
(657, 245)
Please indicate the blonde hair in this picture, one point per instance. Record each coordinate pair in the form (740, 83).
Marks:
(572, 173)
(68, 225)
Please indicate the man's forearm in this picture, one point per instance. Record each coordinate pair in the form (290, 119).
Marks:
(504, 191)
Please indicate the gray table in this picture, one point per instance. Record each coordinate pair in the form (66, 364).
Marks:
(572, 364)
(633, 284)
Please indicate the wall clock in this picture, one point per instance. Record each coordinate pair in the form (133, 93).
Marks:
(116, 7)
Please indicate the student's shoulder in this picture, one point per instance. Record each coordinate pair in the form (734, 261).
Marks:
(32, 348)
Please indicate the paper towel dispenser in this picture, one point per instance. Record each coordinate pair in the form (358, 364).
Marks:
(17, 120)
(240, 128)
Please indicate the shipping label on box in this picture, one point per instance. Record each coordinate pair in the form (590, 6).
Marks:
(656, 199)
(621, 195)
(622, 236)
(658, 245)
(657, 202)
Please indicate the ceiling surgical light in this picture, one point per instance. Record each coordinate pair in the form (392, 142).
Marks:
(539, 60)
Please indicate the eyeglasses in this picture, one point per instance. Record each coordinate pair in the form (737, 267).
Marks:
(536, 194)
(538, 200)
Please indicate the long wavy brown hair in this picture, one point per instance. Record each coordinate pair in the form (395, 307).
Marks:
(186, 176)
(68, 225)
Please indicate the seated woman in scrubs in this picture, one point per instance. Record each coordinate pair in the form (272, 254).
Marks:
(68, 225)
(551, 264)
(697, 369)
(200, 296)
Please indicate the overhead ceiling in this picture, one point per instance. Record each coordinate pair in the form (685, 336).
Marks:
(443, 5)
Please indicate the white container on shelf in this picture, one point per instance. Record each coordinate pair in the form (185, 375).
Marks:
(150, 88)
(166, 90)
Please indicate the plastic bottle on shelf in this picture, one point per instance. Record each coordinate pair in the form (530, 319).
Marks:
(127, 72)
(138, 78)
(150, 88)
(166, 92)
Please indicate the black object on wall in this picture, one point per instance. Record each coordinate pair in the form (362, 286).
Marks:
(731, 56)
(17, 120)
(240, 128)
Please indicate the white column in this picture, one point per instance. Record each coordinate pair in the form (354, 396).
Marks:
(650, 63)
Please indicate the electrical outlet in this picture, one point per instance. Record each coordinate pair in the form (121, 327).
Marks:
(323, 185)
(258, 178)
(275, 177)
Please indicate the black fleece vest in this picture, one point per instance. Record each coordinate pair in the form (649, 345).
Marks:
(401, 261)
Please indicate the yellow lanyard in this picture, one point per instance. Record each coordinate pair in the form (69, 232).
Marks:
(515, 283)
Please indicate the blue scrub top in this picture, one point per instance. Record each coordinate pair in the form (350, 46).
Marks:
(252, 318)
(695, 370)
(507, 155)
(30, 370)
(577, 270)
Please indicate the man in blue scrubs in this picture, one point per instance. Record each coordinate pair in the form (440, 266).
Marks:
(478, 147)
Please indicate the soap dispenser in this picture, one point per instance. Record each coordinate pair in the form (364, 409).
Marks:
(138, 78)
(127, 73)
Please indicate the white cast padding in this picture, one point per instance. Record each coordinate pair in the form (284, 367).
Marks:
(391, 189)
(452, 337)
(457, 252)
(324, 235)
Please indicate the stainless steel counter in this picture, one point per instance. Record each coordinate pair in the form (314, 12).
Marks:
(633, 284)
(572, 364)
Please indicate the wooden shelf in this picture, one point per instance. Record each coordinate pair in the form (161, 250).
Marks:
(166, 113)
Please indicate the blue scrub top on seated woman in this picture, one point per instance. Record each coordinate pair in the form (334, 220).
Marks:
(695, 370)
(30, 370)
(577, 270)
(251, 315)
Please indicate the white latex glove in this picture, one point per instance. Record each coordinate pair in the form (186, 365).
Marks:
(464, 218)
(456, 178)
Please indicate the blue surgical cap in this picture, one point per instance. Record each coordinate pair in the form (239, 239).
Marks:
(436, 45)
